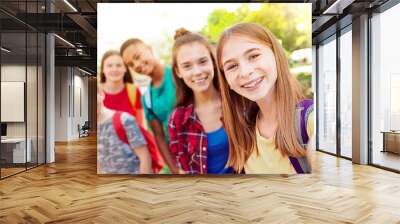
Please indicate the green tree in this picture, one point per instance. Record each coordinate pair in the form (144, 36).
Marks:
(292, 28)
(163, 50)
(290, 25)
(217, 21)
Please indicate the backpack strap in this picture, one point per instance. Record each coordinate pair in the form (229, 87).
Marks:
(157, 160)
(147, 98)
(303, 110)
(296, 165)
(119, 128)
(156, 157)
(148, 103)
(301, 164)
(131, 88)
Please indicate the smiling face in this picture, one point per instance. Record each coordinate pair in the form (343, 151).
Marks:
(195, 66)
(139, 58)
(249, 67)
(114, 68)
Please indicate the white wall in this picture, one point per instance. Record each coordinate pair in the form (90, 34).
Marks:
(61, 103)
(12, 73)
(81, 101)
(33, 126)
(70, 83)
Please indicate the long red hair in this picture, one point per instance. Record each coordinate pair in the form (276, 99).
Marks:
(240, 113)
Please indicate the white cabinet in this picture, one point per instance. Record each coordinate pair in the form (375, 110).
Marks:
(18, 149)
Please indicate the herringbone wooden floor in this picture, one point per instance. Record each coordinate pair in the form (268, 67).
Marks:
(70, 191)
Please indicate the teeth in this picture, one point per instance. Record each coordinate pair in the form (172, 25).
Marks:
(252, 83)
(199, 80)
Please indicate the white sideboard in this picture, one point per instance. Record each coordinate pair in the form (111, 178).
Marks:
(18, 148)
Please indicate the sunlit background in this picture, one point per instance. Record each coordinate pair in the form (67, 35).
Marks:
(155, 24)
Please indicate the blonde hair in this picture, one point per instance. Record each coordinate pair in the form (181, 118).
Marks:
(240, 113)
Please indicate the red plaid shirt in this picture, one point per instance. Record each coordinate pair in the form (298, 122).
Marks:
(188, 140)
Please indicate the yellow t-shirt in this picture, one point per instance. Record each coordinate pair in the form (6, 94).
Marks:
(269, 159)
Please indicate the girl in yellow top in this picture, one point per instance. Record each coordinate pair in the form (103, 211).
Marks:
(269, 124)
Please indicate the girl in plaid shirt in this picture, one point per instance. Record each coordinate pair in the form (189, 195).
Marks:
(198, 139)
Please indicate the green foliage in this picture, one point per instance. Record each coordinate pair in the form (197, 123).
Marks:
(164, 49)
(305, 83)
(217, 22)
(289, 24)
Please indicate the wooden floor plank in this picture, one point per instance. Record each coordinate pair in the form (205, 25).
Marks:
(70, 191)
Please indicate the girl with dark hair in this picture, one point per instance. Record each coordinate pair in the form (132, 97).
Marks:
(159, 99)
(198, 139)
